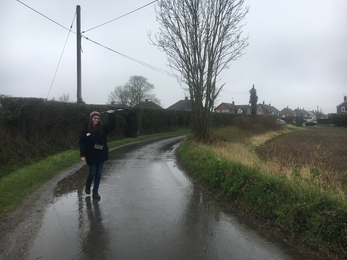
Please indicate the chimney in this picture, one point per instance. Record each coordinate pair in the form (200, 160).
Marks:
(233, 103)
(263, 102)
(270, 104)
(345, 98)
(186, 99)
(146, 100)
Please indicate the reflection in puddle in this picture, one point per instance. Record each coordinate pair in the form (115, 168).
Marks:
(71, 218)
(59, 223)
(72, 183)
(96, 234)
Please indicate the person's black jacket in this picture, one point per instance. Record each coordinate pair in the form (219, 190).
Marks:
(88, 141)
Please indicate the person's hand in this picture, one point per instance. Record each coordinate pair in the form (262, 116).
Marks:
(83, 159)
(110, 111)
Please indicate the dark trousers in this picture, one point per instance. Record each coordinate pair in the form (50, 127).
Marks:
(95, 171)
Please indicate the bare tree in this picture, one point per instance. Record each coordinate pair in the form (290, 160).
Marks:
(200, 39)
(135, 91)
(64, 98)
(119, 96)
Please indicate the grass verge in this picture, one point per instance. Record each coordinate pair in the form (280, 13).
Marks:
(304, 211)
(15, 186)
(20, 183)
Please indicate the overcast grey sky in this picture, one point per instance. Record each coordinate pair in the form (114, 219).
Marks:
(297, 53)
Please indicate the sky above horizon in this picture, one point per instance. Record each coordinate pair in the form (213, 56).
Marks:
(296, 58)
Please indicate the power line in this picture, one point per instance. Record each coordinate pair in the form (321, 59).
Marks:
(120, 16)
(110, 49)
(235, 92)
(61, 56)
(44, 15)
(133, 59)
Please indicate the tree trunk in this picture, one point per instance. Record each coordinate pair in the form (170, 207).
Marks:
(201, 124)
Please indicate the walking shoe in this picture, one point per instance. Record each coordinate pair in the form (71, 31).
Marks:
(87, 190)
(96, 195)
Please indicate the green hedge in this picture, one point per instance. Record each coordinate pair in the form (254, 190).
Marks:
(339, 120)
(32, 129)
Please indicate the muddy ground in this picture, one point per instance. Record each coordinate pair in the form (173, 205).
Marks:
(323, 148)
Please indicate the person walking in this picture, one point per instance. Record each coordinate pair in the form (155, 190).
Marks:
(94, 149)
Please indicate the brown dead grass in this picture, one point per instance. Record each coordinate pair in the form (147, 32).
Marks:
(239, 145)
(316, 155)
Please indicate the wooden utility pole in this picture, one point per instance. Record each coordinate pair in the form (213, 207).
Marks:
(79, 78)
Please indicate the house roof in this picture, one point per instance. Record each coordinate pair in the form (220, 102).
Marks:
(311, 113)
(303, 112)
(289, 109)
(234, 107)
(243, 107)
(344, 102)
(270, 108)
(149, 104)
(229, 105)
(184, 104)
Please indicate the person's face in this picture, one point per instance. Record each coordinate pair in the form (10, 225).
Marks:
(96, 120)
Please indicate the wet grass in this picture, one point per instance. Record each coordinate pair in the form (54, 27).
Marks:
(15, 186)
(296, 202)
(20, 183)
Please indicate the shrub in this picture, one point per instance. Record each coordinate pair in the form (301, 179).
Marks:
(339, 120)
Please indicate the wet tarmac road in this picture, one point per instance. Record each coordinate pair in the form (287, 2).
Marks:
(149, 209)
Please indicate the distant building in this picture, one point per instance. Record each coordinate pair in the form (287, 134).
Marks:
(185, 104)
(243, 109)
(287, 112)
(311, 115)
(342, 108)
(149, 104)
(231, 108)
(264, 109)
(304, 114)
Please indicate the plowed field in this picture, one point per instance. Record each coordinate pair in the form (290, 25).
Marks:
(323, 148)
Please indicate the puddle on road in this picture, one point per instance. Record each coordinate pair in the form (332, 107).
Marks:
(141, 212)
